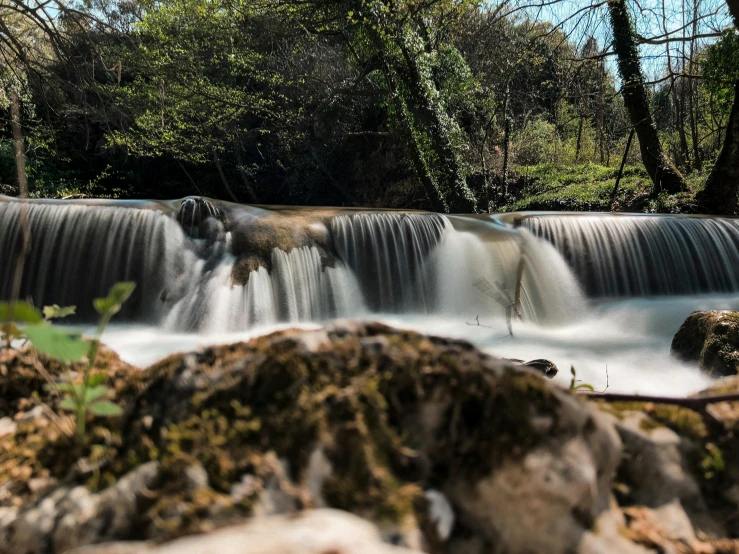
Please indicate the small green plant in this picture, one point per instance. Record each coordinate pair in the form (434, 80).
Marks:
(68, 346)
(574, 382)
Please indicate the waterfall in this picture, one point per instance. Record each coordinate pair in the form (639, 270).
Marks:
(190, 278)
(549, 292)
(387, 252)
(298, 289)
(78, 251)
(645, 255)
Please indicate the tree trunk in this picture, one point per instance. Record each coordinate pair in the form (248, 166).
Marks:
(601, 117)
(450, 180)
(720, 193)
(224, 180)
(678, 97)
(20, 166)
(734, 9)
(579, 139)
(680, 155)
(506, 143)
(18, 148)
(252, 196)
(692, 98)
(415, 151)
(664, 175)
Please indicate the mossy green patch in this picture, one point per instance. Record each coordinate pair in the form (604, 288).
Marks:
(589, 187)
(362, 395)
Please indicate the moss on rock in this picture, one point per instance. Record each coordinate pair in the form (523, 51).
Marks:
(394, 412)
(710, 339)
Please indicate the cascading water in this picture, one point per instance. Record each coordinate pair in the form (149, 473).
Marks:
(215, 272)
(389, 250)
(298, 289)
(644, 256)
(384, 263)
(78, 251)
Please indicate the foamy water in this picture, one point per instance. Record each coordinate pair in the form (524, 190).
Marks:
(628, 339)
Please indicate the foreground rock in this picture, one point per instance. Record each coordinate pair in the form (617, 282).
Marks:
(443, 448)
(310, 532)
(712, 340)
(359, 417)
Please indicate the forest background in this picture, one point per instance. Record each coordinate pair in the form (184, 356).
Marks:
(447, 105)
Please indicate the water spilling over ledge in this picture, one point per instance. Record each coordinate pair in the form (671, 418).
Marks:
(643, 255)
(215, 266)
(589, 286)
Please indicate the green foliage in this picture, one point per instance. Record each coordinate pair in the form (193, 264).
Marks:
(55, 312)
(339, 102)
(69, 346)
(585, 187)
(199, 73)
(55, 342)
(721, 69)
(111, 304)
(573, 383)
(19, 312)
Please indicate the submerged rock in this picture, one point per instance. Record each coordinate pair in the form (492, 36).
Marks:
(712, 340)
(549, 369)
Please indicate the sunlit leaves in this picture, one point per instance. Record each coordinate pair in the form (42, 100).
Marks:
(55, 312)
(90, 398)
(118, 294)
(20, 312)
(62, 344)
(105, 409)
(200, 72)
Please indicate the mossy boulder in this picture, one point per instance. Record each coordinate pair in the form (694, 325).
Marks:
(360, 417)
(711, 339)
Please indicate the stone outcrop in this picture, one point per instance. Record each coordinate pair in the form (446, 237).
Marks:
(441, 447)
(712, 340)
(310, 532)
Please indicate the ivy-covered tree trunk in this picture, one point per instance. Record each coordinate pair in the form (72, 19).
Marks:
(450, 180)
(722, 186)
(410, 138)
(663, 173)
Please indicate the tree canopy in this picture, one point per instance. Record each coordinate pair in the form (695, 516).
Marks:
(438, 104)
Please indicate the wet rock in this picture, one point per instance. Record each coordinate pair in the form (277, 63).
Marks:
(22, 376)
(311, 532)
(7, 426)
(255, 238)
(549, 369)
(442, 447)
(194, 211)
(712, 340)
(654, 463)
(70, 517)
(440, 513)
(553, 494)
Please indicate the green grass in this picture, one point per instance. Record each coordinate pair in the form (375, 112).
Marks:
(588, 187)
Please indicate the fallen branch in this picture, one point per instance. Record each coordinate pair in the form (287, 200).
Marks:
(478, 324)
(695, 404)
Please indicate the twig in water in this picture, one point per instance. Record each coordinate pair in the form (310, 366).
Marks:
(478, 324)
(500, 293)
(605, 389)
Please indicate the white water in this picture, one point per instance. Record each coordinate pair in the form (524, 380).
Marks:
(630, 337)
(410, 270)
(645, 255)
